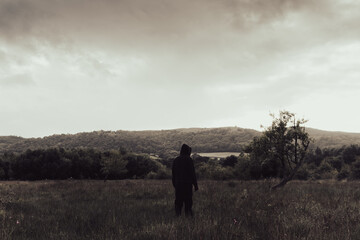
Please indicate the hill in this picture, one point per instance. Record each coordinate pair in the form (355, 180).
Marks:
(333, 139)
(230, 139)
(226, 139)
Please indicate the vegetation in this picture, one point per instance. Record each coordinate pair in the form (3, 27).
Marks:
(79, 164)
(163, 143)
(281, 149)
(143, 209)
(133, 208)
(57, 163)
(279, 152)
(166, 143)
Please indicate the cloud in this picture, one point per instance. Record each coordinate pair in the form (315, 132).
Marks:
(176, 43)
(136, 23)
(222, 36)
(214, 59)
(16, 80)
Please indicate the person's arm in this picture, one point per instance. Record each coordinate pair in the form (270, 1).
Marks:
(194, 180)
(173, 173)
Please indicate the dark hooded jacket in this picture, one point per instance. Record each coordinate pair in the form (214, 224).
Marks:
(183, 170)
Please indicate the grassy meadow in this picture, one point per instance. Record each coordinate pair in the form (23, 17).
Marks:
(143, 209)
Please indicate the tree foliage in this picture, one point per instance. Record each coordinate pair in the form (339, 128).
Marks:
(113, 165)
(282, 147)
(58, 163)
(87, 163)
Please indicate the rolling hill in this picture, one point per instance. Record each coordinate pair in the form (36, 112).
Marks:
(226, 139)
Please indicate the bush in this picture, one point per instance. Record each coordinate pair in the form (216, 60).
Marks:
(113, 165)
(139, 166)
(355, 170)
(302, 174)
(241, 169)
(221, 173)
(343, 174)
(270, 168)
(335, 162)
(229, 161)
(162, 173)
(325, 171)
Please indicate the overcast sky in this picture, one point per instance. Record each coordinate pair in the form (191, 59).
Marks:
(85, 65)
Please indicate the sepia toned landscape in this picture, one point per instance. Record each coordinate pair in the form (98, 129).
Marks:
(94, 193)
(116, 113)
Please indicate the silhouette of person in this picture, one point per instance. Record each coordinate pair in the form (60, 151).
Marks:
(183, 179)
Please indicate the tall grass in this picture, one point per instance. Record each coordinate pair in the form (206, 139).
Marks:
(143, 209)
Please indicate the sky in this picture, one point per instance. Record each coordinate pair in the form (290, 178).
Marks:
(88, 65)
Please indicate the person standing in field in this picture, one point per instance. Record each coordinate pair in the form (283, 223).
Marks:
(183, 179)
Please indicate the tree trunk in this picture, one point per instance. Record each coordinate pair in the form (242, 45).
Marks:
(289, 177)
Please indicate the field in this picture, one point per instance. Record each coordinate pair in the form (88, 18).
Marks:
(143, 209)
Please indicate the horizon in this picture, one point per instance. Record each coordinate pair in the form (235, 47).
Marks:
(70, 67)
(170, 129)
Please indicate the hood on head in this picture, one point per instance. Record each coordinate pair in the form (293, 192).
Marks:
(185, 150)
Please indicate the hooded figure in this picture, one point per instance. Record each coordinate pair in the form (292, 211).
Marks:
(183, 178)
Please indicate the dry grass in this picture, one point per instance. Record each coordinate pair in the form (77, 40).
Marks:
(143, 209)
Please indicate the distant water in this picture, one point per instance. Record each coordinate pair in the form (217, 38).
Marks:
(219, 154)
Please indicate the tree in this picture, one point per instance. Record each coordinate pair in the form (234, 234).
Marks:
(349, 154)
(229, 161)
(139, 165)
(113, 165)
(282, 147)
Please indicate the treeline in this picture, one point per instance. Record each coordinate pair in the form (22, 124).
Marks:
(89, 163)
(59, 163)
(333, 163)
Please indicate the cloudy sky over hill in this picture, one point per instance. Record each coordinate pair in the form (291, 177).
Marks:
(84, 65)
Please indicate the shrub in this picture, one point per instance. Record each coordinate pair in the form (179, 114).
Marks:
(221, 173)
(335, 162)
(355, 170)
(302, 174)
(229, 161)
(344, 173)
(140, 165)
(242, 169)
(113, 165)
(162, 173)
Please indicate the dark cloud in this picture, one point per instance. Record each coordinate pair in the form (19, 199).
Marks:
(214, 59)
(130, 22)
(20, 19)
(198, 32)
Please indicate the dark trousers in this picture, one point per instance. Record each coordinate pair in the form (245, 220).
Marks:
(183, 195)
